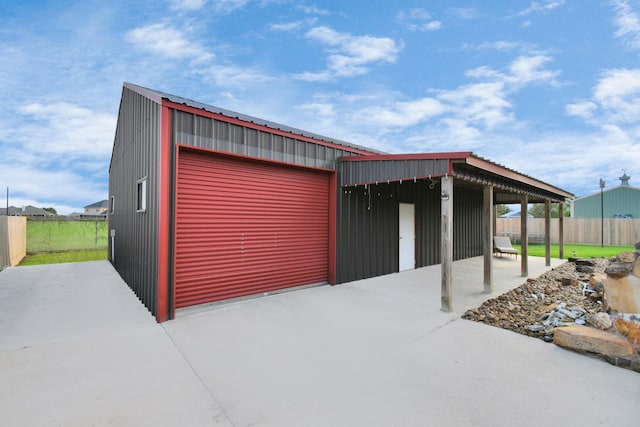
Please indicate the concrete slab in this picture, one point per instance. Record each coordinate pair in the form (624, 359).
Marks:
(78, 349)
(379, 352)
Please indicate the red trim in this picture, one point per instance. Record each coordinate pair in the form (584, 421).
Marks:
(333, 215)
(516, 176)
(162, 308)
(236, 121)
(413, 156)
(248, 158)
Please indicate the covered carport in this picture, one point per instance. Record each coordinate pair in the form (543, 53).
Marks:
(372, 187)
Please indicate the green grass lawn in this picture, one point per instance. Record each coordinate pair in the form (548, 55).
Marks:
(62, 257)
(62, 235)
(581, 251)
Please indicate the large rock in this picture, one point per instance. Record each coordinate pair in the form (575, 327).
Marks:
(619, 269)
(622, 294)
(630, 329)
(600, 320)
(626, 256)
(591, 340)
(636, 268)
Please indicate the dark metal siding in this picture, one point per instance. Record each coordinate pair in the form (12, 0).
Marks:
(136, 155)
(368, 227)
(381, 171)
(367, 242)
(204, 132)
(467, 223)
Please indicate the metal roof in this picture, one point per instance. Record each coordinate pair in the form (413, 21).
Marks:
(464, 166)
(158, 96)
(383, 167)
(100, 204)
(25, 211)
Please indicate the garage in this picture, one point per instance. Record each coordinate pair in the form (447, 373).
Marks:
(246, 226)
(208, 204)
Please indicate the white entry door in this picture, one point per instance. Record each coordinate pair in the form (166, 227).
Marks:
(407, 230)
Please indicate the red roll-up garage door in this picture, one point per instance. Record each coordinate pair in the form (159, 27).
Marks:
(245, 227)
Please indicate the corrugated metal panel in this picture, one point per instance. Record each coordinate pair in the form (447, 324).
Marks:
(245, 227)
(467, 223)
(368, 226)
(615, 201)
(381, 171)
(158, 96)
(135, 155)
(204, 132)
(506, 190)
(367, 238)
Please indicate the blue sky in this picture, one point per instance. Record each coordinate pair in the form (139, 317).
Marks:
(548, 88)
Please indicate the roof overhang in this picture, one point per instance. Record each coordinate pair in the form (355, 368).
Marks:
(469, 169)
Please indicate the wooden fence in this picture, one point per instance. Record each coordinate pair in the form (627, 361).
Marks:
(13, 240)
(587, 231)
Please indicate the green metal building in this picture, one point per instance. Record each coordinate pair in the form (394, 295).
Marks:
(622, 201)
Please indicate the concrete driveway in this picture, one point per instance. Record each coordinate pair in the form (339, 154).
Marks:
(77, 348)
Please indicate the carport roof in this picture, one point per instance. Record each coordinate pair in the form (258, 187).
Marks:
(467, 168)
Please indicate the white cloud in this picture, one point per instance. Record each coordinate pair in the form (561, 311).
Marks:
(615, 100)
(322, 109)
(431, 26)
(536, 7)
(501, 46)
(234, 76)
(417, 19)
(31, 185)
(218, 6)
(403, 114)
(584, 109)
(463, 114)
(293, 25)
(228, 6)
(66, 129)
(566, 167)
(627, 22)
(312, 10)
(58, 151)
(350, 55)
(522, 71)
(464, 13)
(167, 41)
(483, 104)
(528, 69)
(618, 93)
(187, 4)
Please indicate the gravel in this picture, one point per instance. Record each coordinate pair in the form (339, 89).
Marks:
(525, 308)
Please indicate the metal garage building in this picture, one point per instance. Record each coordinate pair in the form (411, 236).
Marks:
(207, 205)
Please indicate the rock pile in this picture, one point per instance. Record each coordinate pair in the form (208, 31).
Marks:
(569, 306)
(540, 305)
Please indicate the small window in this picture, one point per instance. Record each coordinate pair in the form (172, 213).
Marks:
(142, 195)
(112, 203)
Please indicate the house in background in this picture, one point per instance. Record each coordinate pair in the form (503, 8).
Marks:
(207, 204)
(515, 214)
(30, 211)
(622, 201)
(96, 209)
